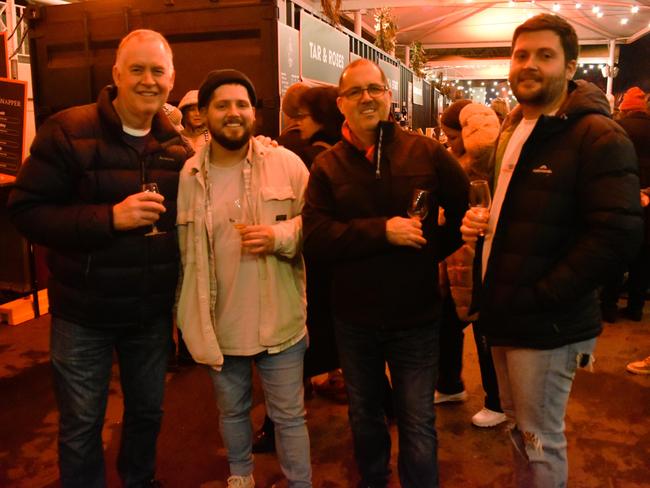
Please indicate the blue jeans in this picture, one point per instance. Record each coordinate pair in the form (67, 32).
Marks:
(281, 376)
(534, 385)
(412, 357)
(82, 359)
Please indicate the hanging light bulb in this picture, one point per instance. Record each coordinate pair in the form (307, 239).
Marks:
(578, 5)
(599, 14)
(635, 9)
(556, 7)
(624, 21)
(595, 9)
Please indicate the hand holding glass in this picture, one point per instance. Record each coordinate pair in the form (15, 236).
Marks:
(480, 199)
(419, 207)
(152, 188)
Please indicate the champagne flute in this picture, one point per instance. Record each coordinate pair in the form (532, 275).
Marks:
(419, 207)
(480, 199)
(152, 188)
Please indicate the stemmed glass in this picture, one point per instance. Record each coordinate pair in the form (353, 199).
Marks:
(152, 188)
(480, 199)
(419, 207)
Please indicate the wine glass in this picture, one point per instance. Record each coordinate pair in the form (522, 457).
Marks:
(236, 214)
(480, 199)
(152, 188)
(419, 207)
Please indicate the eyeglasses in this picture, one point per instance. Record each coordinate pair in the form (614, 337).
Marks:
(355, 93)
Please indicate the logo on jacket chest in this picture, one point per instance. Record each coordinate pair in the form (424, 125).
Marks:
(543, 169)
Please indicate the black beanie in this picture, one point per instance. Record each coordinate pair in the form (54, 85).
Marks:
(220, 77)
(451, 115)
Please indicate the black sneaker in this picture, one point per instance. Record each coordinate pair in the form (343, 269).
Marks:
(609, 314)
(263, 442)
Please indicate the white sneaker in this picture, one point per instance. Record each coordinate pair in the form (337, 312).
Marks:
(488, 418)
(449, 398)
(241, 481)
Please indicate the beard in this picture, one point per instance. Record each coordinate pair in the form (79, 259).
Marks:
(550, 88)
(229, 142)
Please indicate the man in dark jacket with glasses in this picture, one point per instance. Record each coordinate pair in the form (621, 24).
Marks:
(386, 300)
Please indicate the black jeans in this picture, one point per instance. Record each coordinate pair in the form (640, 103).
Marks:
(451, 357)
(412, 357)
(82, 359)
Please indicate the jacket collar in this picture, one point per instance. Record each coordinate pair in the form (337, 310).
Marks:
(200, 162)
(161, 128)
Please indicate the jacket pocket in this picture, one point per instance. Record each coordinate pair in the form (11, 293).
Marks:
(277, 204)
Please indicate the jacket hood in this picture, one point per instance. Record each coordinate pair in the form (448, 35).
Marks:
(583, 98)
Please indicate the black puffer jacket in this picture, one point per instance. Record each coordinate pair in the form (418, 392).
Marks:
(571, 218)
(637, 126)
(79, 167)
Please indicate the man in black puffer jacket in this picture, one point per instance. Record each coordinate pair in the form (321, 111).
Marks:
(565, 217)
(112, 286)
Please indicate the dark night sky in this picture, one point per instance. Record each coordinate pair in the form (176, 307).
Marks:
(634, 66)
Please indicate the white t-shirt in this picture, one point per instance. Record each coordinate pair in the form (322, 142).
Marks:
(238, 308)
(510, 158)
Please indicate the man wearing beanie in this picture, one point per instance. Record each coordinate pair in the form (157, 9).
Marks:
(634, 118)
(242, 295)
(634, 100)
(385, 294)
(565, 217)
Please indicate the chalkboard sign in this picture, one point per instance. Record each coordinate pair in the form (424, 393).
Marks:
(4, 56)
(13, 97)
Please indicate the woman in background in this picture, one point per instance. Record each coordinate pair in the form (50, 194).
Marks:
(472, 130)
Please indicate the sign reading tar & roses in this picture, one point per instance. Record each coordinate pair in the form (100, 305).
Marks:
(324, 50)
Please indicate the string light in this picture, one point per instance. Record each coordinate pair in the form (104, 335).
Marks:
(599, 14)
(556, 7)
(578, 6)
(635, 9)
(595, 9)
(624, 21)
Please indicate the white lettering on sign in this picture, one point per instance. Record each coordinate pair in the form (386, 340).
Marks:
(335, 59)
(325, 55)
(315, 51)
(13, 103)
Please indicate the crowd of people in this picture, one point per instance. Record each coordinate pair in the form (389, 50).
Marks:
(347, 247)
